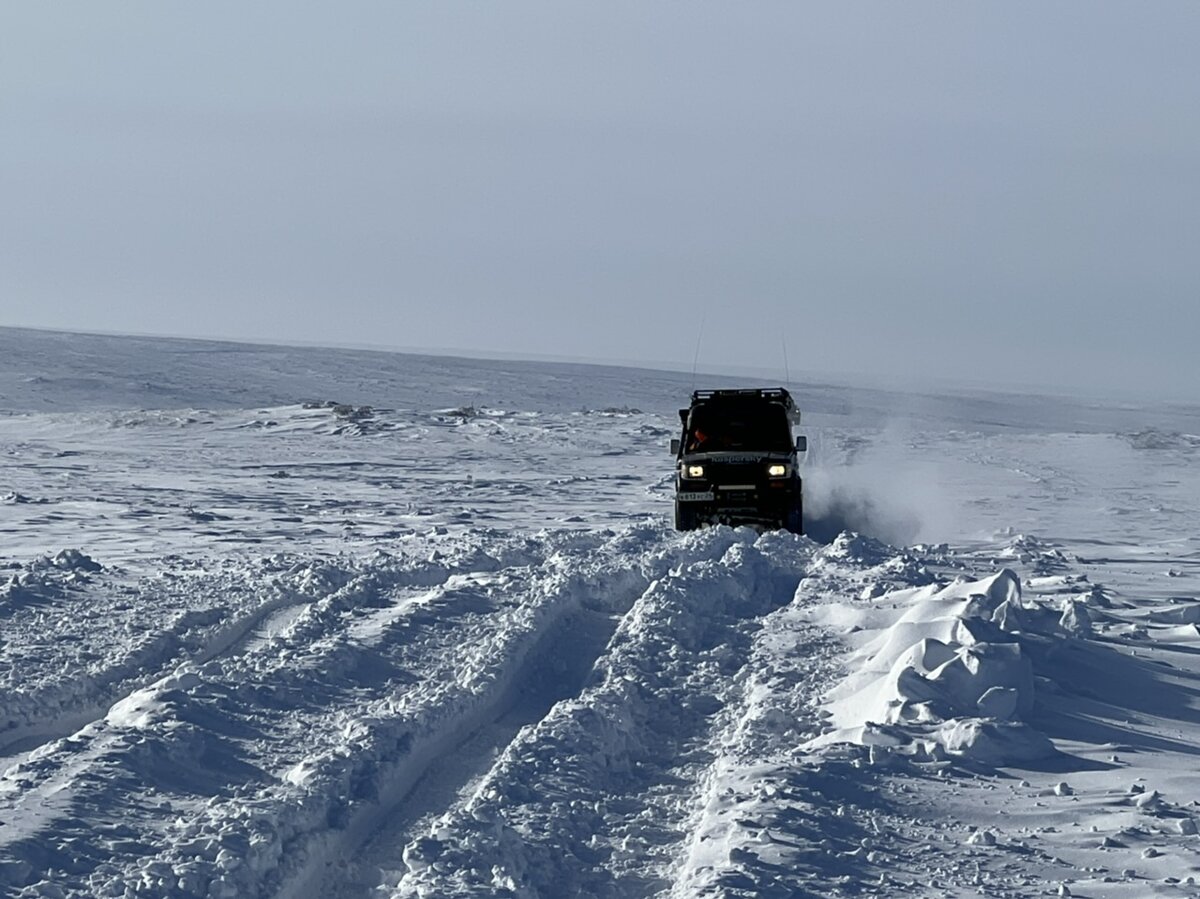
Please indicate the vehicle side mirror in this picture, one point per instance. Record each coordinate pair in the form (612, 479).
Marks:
(674, 446)
(802, 444)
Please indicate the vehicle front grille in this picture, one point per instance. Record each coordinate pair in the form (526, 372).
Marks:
(734, 473)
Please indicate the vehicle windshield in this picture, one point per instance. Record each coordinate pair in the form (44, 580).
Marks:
(721, 427)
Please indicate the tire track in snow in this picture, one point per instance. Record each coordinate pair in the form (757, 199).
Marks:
(552, 666)
(195, 637)
(555, 670)
(56, 711)
(75, 746)
(594, 799)
(764, 814)
(360, 692)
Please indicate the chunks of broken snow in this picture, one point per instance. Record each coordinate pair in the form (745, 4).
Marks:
(940, 672)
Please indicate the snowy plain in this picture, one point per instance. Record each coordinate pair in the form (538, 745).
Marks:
(291, 622)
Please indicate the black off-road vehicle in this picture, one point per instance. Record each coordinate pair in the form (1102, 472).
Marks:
(735, 462)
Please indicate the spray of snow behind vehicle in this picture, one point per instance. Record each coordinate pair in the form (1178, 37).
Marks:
(881, 488)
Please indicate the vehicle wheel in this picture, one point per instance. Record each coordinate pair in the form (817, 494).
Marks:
(685, 518)
(794, 520)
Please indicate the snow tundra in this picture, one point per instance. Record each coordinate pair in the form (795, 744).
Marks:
(285, 622)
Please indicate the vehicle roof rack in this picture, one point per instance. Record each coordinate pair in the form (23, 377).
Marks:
(778, 394)
(769, 394)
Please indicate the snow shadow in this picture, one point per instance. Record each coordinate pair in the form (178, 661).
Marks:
(1113, 698)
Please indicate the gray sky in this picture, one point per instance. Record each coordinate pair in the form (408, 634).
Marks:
(1000, 192)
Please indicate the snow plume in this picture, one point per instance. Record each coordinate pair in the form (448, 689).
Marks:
(832, 507)
(879, 488)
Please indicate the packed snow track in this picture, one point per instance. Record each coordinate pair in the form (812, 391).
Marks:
(260, 767)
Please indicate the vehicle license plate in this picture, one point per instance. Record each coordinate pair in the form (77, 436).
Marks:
(694, 496)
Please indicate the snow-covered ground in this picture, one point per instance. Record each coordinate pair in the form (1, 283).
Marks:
(303, 622)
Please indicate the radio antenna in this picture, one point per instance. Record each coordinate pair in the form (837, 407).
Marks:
(696, 355)
(787, 372)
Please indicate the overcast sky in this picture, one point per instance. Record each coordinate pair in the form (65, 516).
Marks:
(1004, 192)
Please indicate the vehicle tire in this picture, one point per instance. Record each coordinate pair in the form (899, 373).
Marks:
(793, 521)
(685, 518)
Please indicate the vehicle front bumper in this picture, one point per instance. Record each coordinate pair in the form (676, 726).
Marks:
(764, 502)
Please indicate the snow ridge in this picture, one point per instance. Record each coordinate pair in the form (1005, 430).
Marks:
(612, 766)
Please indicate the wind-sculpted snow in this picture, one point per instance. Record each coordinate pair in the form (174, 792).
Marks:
(941, 671)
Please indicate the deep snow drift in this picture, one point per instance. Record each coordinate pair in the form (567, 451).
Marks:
(321, 623)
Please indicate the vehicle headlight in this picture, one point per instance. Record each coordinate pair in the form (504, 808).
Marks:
(776, 470)
(695, 471)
